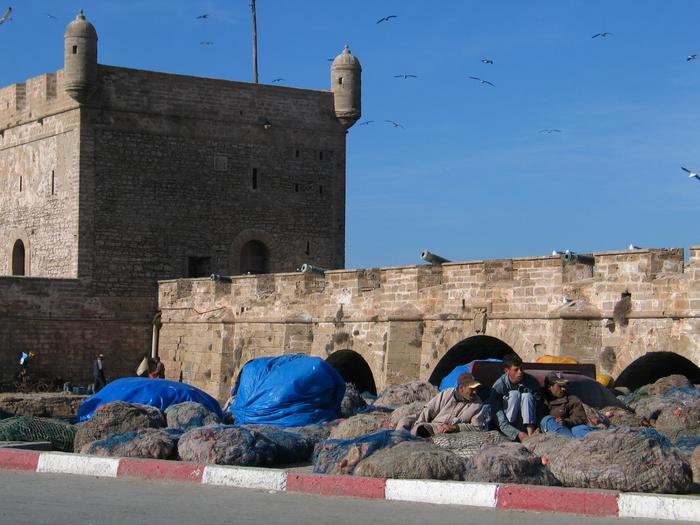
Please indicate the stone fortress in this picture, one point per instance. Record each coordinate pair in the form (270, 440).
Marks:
(123, 191)
(115, 178)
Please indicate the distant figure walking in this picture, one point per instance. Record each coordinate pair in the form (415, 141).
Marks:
(98, 373)
(159, 370)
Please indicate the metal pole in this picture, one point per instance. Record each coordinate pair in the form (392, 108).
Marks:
(255, 42)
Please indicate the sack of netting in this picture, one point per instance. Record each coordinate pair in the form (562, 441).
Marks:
(406, 415)
(650, 407)
(158, 393)
(287, 391)
(469, 442)
(399, 395)
(352, 402)
(190, 414)
(117, 417)
(30, 428)
(412, 460)
(226, 445)
(341, 456)
(508, 463)
(360, 425)
(292, 446)
(150, 443)
(623, 460)
(660, 386)
(679, 421)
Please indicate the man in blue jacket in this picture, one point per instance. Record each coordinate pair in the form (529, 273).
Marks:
(516, 401)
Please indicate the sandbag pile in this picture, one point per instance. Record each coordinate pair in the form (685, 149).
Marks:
(412, 460)
(360, 425)
(341, 456)
(117, 417)
(148, 443)
(352, 402)
(30, 428)
(508, 463)
(398, 395)
(190, 414)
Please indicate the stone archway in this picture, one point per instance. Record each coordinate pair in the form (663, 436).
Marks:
(655, 365)
(18, 258)
(354, 369)
(467, 350)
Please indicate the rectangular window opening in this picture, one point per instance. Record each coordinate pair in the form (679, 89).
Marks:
(20, 183)
(296, 154)
(75, 50)
(296, 188)
(255, 178)
(198, 267)
(53, 183)
(340, 81)
(308, 248)
(320, 155)
(320, 190)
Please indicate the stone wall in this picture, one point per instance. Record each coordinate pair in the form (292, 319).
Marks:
(403, 320)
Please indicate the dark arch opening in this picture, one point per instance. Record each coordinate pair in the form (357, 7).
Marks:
(466, 351)
(18, 258)
(254, 258)
(354, 369)
(655, 365)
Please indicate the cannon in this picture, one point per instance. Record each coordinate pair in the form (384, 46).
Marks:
(581, 258)
(432, 258)
(308, 268)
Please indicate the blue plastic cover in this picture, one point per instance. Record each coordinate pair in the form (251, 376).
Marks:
(287, 391)
(159, 393)
(450, 380)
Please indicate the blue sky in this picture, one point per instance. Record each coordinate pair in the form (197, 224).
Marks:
(469, 176)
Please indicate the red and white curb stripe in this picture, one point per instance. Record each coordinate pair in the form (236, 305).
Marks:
(488, 495)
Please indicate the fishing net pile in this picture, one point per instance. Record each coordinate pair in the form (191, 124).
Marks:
(148, 443)
(360, 425)
(679, 420)
(398, 395)
(412, 460)
(30, 428)
(468, 443)
(290, 447)
(508, 463)
(190, 414)
(406, 413)
(352, 402)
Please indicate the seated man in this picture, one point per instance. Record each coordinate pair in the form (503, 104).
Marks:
(516, 401)
(566, 415)
(450, 411)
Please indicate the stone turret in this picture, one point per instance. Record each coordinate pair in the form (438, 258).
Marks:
(80, 58)
(346, 84)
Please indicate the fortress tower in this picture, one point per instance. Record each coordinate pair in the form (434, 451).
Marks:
(346, 84)
(80, 58)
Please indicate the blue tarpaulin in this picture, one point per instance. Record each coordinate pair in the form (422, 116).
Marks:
(159, 393)
(450, 380)
(287, 391)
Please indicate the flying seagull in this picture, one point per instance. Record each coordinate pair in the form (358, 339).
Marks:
(386, 19)
(550, 131)
(277, 80)
(51, 16)
(604, 34)
(486, 61)
(404, 76)
(202, 17)
(393, 123)
(7, 16)
(482, 81)
(691, 57)
(207, 43)
(366, 122)
(691, 174)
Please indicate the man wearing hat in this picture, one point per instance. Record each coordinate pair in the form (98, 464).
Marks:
(450, 411)
(98, 373)
(566, 415)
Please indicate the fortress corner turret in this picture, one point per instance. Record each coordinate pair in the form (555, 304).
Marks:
(80, 58)
(346, 84)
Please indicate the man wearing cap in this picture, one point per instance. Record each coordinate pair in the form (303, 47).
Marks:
(98, 373)
(566, 415)
(450, 411)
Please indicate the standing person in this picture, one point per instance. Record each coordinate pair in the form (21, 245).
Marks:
(159, 370)
(98, 373)
(516, 401)
(450, 411)
(566, 415)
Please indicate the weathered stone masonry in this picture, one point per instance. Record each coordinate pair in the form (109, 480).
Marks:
(403, 320)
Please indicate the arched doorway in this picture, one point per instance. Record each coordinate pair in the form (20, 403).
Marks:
(466, 351)
(655, 365)
(18, 258)
(354, 369)
(254, 258)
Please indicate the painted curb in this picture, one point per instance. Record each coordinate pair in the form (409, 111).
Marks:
(13, 459)
(66, 463)
(442, 492)
(336, 485)
(245, 477)
(660, 507)
(160, 469)
(557, 499)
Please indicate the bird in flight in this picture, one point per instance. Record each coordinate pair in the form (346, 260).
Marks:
(277, 80)
(386, 18)
(205, 16)
(51, 16)
(393, 123)
(550, 131)
(486, 61)
(691, 57)
(7, 16)
(604, 34)
(691, 174)
(482, 81)
(206, 43)
(404, 76)
(365, 123)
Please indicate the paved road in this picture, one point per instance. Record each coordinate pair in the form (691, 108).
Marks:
(30, 498)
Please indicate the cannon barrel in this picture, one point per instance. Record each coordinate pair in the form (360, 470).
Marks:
(582, 258)
(308, 268)
(432, 258)
(220, 278)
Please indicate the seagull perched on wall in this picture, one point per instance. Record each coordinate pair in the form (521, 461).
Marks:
(404, 76)
(7, 16)
(393, 123)
(482, 81)
(691, 174)
(486, 61)
(386, 18)
(691, 57)
(604, 34)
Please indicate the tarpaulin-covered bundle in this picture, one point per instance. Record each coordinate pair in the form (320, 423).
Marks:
(158, 393)
(287, 391)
